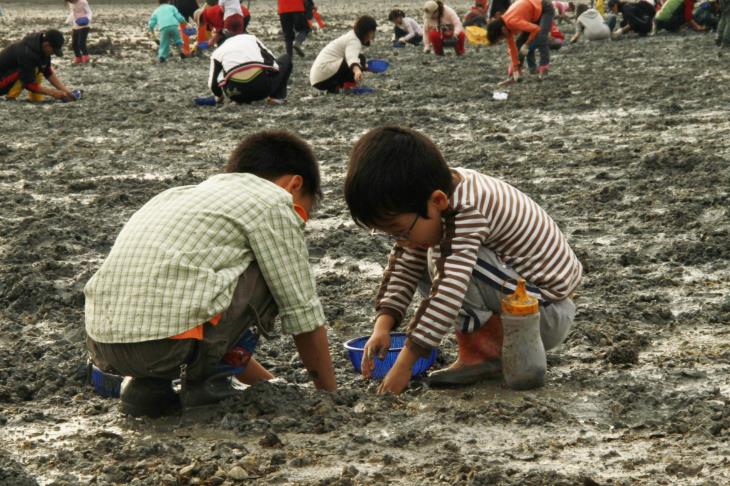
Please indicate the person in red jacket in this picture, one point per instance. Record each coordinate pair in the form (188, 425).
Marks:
(294, 25)
(532, 19)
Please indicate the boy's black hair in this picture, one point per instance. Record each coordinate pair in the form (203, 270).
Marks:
(212, 3)
(394, 14)
(494, 30)
(363, 25)
(164, 1)
(271, 154)
(581, 8)
(393, 170)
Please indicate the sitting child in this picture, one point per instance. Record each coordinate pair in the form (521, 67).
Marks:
(464, 238)
(406, 30)
(341, 61)
(707, 14)
(168, 18)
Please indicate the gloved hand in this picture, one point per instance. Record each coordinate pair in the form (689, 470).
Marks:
(524, 49)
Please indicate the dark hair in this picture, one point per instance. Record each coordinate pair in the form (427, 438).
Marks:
(271, 154)
(394, 14)
(164, 1)
(494, 30)
(571, 6)
(212, 3)
(581, 8)
(393, 170)
(363, 25)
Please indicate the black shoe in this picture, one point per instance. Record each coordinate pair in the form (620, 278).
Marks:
(213, 389)
(298, 49)
(149, 397)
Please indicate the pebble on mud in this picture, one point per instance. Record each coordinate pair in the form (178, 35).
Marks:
(271, 440)
(237, 473)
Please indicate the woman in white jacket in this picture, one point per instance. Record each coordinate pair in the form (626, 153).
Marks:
(80, 18)
(441, 26)
(341, 61)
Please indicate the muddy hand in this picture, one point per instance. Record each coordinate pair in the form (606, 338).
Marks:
(377, 345)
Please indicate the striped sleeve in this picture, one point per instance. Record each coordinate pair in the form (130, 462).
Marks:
(464, 233)
(406, 266)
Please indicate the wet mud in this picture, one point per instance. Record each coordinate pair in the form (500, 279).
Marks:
(627, 145)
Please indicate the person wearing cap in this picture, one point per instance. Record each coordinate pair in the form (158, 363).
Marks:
(676, 13)
(532, 21)
(341, 62)
(24, 64)
(636, 17)
(442, 26)
(590, 23)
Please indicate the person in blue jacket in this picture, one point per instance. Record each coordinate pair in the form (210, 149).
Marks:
(168, 19)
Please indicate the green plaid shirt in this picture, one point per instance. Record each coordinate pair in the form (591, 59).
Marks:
(177, 261)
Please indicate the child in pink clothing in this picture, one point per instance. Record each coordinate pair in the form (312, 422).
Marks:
(80, 18)
(441, 26)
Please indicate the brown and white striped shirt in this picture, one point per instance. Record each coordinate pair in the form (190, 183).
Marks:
(483, 211)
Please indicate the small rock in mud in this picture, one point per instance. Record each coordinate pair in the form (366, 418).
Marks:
(237, 473)
(271, 440)
(623, 354)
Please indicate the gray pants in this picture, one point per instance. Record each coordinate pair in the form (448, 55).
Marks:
(723, 27)
(252, 306)
(541, 42)
(491, 281)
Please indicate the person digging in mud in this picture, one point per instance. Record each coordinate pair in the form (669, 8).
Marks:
(442, 27)
(405, 29)
(636, 17)
(707, 14)
(532, 19)
(168, 19)
(294, 25)
(463, 239)
(244, 70)
(589, 22)
(341, 63)
(676, 13)
(25, 63)
(199, 272)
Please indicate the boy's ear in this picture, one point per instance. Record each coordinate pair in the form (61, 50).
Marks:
(295, 184)
(439, 199)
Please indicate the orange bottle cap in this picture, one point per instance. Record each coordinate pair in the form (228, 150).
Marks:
(520, 303)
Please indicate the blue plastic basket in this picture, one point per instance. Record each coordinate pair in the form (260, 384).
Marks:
(378, 65)
(82, 21)
(105, 384)
(205, 101)
(203, 45)
(360, 90)
(356, 346)
(189, 31)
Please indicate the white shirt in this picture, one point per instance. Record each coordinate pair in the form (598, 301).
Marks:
(593, 26)
(345, 48)
(238, 53)
(412, 27)
(230, 7)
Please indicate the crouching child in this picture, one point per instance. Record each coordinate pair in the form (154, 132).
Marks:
(200, 272)
(463, 239)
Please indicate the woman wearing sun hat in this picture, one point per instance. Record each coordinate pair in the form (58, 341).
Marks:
(441, 26)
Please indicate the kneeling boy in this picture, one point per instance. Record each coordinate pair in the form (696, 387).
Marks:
(465, 238)
(202, 270)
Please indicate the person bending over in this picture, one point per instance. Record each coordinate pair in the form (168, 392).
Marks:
(590, 23)
(442, 27)
(463, 239)
(199, 272)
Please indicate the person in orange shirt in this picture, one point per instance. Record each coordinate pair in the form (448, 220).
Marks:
(294, 25)
(532, 19)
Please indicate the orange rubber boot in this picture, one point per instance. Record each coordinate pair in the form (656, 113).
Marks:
(185, 39)
(479, 356)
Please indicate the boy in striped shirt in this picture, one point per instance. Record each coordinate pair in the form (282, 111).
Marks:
(463, 239)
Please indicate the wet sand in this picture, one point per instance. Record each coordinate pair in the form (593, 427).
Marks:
(627, 146)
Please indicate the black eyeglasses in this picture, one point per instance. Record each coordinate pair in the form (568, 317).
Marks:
(402, 236)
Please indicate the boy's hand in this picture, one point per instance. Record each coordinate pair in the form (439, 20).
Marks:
(377, 345)
(400, 374)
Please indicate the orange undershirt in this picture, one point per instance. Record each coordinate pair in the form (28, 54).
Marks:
(197, 331)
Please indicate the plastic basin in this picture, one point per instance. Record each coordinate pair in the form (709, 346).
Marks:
(378, 65)
(189, 31)
(205, 101)
(356, 346)
(81, 22)
(358, 90)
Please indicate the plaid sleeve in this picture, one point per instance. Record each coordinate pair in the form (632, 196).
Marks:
(282, 255)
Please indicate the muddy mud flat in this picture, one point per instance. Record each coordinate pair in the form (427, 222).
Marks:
(627, 145)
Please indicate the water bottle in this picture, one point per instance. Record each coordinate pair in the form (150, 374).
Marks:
(523, 355)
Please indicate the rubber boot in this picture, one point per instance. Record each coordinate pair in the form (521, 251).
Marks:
(479, 356)
(77, 60)
(186, 41)
(148, 397)
(85, 59)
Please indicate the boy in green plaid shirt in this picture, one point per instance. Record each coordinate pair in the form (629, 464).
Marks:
(200, 271)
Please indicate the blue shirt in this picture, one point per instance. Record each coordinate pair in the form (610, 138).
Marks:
(166, 15)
